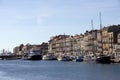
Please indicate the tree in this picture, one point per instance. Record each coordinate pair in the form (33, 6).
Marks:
(21, 46)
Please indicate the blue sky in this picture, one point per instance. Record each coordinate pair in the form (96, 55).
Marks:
(35, 21)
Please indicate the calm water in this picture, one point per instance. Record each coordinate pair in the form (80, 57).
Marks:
(53, 70)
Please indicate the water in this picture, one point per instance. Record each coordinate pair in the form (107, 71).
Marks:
(54, 70)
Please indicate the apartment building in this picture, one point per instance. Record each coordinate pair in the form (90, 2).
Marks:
(105, 41)
(66, 45)
(98, 43)
(110, 38)
(60, 45)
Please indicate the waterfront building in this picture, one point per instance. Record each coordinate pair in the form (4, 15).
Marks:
(16, 50)
(60, 45)
(105, 40)
(77, 44)
(26, 48)
(116, 49)
(44, 48)
(66, 45)
(90, 42)
(116, 53)
(98, 43)
(110, 38)
(23, 49)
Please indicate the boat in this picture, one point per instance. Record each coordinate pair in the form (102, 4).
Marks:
(106, 59)
(33, 55)
(78, 59)
(7, 56)
(48, 57)
(103, 59)
(64, 58)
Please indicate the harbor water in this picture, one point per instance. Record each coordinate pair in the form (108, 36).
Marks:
(57, 70)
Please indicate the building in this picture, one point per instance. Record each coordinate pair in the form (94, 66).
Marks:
(105, 41)
(90, 42)
(99, 43)
(77, 44)
(59, 45)
(22, 49)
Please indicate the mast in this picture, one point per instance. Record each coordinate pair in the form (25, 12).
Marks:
(100, 21)
(101, 31)
(92, 24)
(64, 50)
(92, 36)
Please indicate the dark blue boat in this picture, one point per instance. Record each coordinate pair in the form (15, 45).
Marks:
(78, 59)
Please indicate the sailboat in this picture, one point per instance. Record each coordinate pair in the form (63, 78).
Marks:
(102, 58)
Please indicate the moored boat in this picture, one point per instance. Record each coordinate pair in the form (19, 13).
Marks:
(64, 58)
(78, 59)
(48, 57)
(103, 59)
(33, 55)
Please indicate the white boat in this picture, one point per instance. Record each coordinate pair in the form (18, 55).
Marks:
(64, 58)
(33, 55)
(89, 58)
(48, 57)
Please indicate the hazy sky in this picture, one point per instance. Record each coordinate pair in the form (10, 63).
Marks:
(35, 21)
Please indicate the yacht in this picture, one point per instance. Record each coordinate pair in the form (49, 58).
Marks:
(33, 55)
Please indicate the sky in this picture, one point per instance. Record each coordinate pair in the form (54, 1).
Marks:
(35, 21)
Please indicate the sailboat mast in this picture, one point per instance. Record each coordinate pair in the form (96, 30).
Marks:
(92, 24)
(100, 21)
(101, 32)
(64, 44)
(92, 36)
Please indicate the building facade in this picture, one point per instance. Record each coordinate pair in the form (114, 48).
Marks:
(22, 49)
